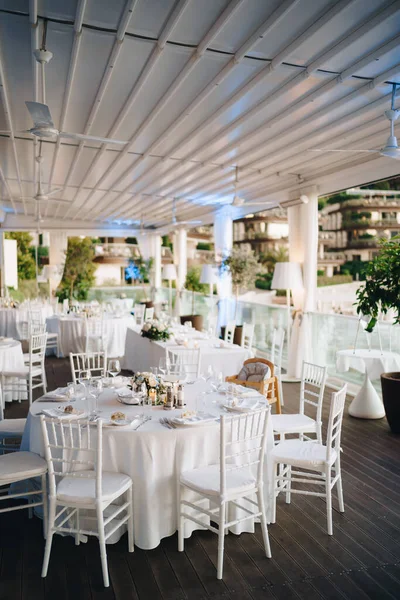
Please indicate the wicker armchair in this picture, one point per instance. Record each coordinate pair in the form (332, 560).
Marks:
(268, 386)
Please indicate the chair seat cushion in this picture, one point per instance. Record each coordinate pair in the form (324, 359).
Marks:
(296, 423)
(52, 336)
(307, 455)
(20, 465)
(82, 490)
(12, 427)
(23, 373)
(256, 372)
(207, 480)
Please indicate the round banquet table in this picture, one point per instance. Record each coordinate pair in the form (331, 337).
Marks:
(367, 404)
(11, 319)
(154, 457)
(11, 358)
(71, 333)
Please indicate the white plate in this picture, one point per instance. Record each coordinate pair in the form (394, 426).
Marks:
(242, 408)
(129, 400)
(194, 421)
(58, 413)
(120, 423)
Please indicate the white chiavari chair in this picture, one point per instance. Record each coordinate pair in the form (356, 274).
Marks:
(319, 464)
(37, 324)
(149, 314)
(278, 339)
(95, 335)
(183, 360)
(238, 476)
(10, 429)
(34, 372)
(95, 362)
(230, 331)
(312, 388)
(74, 455)
(139, 312)
(247, 336)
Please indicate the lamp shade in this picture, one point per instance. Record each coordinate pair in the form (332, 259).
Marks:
(169, 272)
(287, 276)
(208, 274)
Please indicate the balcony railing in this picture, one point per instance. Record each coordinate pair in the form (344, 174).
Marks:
(372, 243)
(117, 250)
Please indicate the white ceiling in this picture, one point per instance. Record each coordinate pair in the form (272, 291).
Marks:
(197, 87)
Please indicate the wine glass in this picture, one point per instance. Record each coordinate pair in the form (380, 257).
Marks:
(96, 387)
(162, 365)
(83, 378)
(114, 367)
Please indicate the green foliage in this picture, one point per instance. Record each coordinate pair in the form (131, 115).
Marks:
(321, 203)
(323, 280)
(382, 288)
(166, 242)
(204, 246)
(365, 236)
(269, 259)
(79, 269)
(342, 197)
(243, 266)
(263, 281)
(43, 252)
(131, 240)
(192, 283)
(320, 272)
(27, 290)
(354, 268)
(26, 262)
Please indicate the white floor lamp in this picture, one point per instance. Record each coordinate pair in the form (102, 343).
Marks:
(208, 276)
(169, 273)
(287, 276)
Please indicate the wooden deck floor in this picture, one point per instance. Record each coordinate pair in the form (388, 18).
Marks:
(361, 560)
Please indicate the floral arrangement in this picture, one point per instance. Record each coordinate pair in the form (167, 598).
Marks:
(155, 331)
(152, 383)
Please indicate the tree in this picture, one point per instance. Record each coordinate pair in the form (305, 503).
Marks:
(269, 259)
(26, 262)
(192, 283)
(79, 269)
(243, 266)
(381, 291)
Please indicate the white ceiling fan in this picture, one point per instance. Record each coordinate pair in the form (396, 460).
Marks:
(390, 149)
(174, 223)
(40, 195)
(237, 200)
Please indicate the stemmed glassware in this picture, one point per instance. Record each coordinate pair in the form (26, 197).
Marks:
(162, 365)
(84, 378)
(96, 387)
(114, 367)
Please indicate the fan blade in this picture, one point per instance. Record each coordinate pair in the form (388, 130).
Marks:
(90, 138)
(188, 223)
(40, 113)
(333, 150)
(55, 191)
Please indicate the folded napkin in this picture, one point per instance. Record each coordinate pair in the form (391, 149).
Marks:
(194, 419)
(58, 395)
(245, 392)
(58, 413)
(246, 404)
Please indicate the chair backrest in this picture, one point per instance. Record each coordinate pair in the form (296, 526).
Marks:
(149, 314)
(230, 331)
(36, 317)
(70, 447)
(94, 327)
(36, 327)
(278, 339)
(139, 312)
(312, 387)
(247, 335)
(188, 359)
(256, 369)
(95, 362)
(37, 349)
(243, 440)
(335, 421)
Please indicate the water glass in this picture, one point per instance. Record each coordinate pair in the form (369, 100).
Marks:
(162, 365)
(114, 367)
(96, 387)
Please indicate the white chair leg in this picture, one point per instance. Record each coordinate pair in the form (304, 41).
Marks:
(102, 544)
(263, 519)
(30, 391)
(339, 484)
(288, 483)
(45, 506)
(329, 501)
(131, 538)
(181, 522)
(274, 493)
(280, 389)
(50, 533)
(221, 539)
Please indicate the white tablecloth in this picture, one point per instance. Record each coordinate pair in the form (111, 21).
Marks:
(372, 362)
(154, 457)
(122, 304)
(71, 332)
(142, 353)
(11, 319)
(11, 358)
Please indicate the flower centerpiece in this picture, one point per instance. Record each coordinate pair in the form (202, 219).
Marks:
(153, 383)
(155, 331)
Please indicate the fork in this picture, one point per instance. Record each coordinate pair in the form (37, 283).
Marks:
(166, 423)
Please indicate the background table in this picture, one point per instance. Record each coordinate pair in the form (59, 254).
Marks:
(71, 333)
(154, 457)
(11, 358)
(142, 353)
(367, 404)
(12, 319)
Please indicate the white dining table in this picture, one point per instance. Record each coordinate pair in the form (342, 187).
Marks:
(11, 359)
(142, 353)
(372, 363)
(71, 333)
(154, 456)
(12, 319)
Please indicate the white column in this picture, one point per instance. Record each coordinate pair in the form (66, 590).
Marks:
(223, 242)
(180, 253)
(303, 248)
(150, 247)
(157, 262)
(57, 253)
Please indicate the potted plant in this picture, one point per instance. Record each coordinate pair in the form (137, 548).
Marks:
(243, 267)
(192, 284)
(381, 293)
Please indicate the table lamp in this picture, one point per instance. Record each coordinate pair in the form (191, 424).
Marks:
(169, 273)
(287, 276)
(208, 276)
